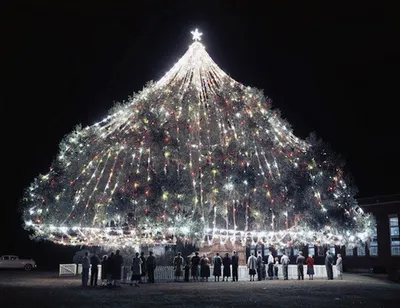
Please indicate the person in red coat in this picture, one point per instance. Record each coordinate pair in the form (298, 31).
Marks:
(310, 267)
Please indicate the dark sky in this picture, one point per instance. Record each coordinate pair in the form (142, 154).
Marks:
(332, 70)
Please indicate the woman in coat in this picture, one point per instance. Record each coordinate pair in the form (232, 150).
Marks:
(310, 267)
(136, 269)
(217, 266)
(204, 268)
(178, 264)
(252, 266)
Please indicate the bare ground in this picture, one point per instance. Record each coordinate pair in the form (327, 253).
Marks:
(45, 289)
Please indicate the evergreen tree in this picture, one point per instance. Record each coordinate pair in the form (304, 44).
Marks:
(194, 156)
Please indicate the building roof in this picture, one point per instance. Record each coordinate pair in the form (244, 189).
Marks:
(384, 199)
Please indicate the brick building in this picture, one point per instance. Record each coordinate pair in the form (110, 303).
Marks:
(382, 254)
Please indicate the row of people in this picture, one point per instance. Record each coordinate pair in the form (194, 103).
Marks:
(257, 265)
(110, 269)
(200, 267)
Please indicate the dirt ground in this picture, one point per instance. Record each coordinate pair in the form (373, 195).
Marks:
(46, 289)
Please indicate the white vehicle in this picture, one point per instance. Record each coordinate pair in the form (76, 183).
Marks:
(10, 261)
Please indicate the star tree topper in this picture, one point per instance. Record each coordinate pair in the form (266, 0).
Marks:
(196, 35)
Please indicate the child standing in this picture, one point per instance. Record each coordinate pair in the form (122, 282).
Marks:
(276, 267)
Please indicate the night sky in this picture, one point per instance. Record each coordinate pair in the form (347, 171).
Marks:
(332, 70)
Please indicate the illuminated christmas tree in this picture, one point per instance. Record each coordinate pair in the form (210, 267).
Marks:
(198, 157)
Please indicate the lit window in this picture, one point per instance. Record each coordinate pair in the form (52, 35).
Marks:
(332, 250)
(321, 251)
(349, 251)
(311, 249)
(361, 250)
(279, 252)
(296, 251)
(373, 246)
(288, 251)
(394, 235)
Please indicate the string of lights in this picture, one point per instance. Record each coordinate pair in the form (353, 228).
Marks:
(198, 157)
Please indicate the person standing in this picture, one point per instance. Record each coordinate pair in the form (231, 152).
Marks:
(226, 261)
(270, 266)
(252, 266)
(259, 266)
(204, 268)
(328, 265)
(151, 266)
(300, 265)
(217, 262)
(310, 267)
(143, 268)
(178, 264)
(339, 266)
(117, 267)
(136, 269)
(285, 264)
(104, 270)
(187, 269)
(235, 266)
(110, 269)
(195, 263)
(85, 269)
(276, 268)
(94, 261)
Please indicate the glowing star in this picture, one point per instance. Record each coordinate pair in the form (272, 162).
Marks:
(196, 35)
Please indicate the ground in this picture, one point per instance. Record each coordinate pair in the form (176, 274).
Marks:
(46, 289)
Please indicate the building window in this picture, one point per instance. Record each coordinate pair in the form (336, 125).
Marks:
(266, 251)
(360, 250)
(279, 252)
(373, 246)
(349, 251)
(295, 251)
(394, 235)
(288, 251)
(321, 252)
(311, 249)
(332, 250)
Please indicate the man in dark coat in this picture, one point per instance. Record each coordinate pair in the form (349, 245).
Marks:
(235, 266)
(328, 265)
(104, 270)
(143, 267)
(110, 269)
(260, 264)
(117, 265)
(226, 262)
(195, 263)
(151, 266)
(94, 261)
(300, 265)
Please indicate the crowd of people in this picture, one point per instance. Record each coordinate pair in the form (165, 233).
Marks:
(199, 268)
(270, 268)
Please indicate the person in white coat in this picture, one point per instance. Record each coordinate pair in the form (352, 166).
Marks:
(252, 265)
(270, 266)
(339, 266)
